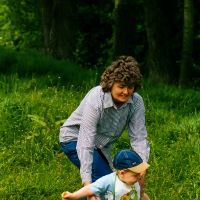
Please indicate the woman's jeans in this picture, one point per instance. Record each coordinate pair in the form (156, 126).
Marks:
(99, 165)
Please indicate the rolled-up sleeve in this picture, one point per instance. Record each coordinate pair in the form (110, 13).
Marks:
(137, 130)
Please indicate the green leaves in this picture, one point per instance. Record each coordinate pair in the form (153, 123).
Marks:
(38, 119)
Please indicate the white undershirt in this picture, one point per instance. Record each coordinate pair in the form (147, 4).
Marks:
(126, 192)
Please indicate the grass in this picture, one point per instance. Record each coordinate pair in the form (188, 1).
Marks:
(32, 165)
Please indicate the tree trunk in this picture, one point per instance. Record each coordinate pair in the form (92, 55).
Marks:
(59, 22)
(124, 29)
(188, 27)
(159, 62)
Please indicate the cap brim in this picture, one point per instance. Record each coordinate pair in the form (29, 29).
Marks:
(140, 168)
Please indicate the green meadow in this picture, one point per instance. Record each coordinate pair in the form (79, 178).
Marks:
(33, 107)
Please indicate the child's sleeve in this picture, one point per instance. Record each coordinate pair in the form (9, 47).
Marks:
(102, 185)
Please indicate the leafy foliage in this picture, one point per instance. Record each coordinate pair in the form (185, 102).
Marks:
(95, 32)
(21, 27)
(22, 24)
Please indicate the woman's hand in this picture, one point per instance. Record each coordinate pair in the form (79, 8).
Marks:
(142, 183)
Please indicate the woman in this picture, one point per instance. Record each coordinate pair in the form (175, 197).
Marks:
(87, 135)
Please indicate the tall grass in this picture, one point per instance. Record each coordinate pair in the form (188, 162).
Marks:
(32, 165)
(32, 62)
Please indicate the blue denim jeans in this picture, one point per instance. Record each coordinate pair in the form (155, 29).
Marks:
(99, 165)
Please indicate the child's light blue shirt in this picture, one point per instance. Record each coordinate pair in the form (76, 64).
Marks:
(110, 187)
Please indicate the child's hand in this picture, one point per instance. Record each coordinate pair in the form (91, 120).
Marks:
(65, 195)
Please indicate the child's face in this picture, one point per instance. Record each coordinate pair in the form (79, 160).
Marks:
(128, 176)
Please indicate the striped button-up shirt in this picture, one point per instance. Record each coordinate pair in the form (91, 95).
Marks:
(97, 123)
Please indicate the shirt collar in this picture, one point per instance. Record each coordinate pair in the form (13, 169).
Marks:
(108, 101)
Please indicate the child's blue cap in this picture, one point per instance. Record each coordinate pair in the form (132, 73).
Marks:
(129, 159)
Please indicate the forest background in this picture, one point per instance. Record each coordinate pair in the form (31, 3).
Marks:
(53, 52)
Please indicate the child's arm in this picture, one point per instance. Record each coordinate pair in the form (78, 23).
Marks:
(83, 192)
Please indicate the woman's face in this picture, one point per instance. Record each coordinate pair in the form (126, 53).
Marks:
(121, 92)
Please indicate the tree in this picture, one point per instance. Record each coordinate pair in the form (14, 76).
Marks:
(60, 28)
(159, 62)
(124, 28)
(186, 60)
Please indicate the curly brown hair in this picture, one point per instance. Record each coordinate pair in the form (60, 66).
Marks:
(124, 69)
